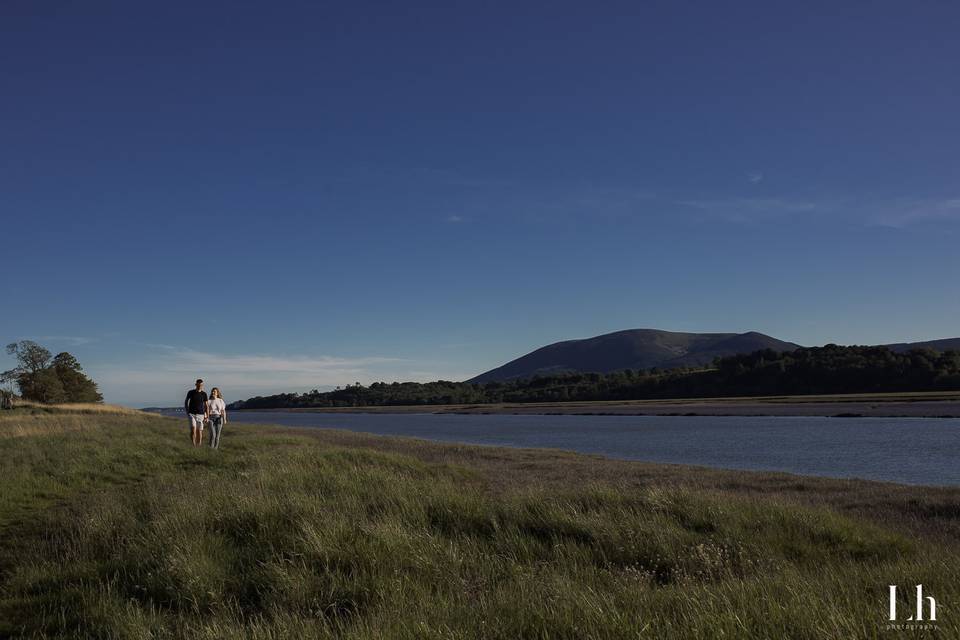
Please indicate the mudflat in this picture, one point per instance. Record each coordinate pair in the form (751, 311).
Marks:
(894, 405)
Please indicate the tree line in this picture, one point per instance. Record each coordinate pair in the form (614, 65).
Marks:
(804, 371)
(43, 377)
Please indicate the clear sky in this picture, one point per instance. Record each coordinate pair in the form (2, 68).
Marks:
(288, 195)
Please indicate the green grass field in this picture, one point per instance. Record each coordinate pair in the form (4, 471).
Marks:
(113, 526)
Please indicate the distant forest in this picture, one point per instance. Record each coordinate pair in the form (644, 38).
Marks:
(814, 370)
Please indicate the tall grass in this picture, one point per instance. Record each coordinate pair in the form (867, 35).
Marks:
(83, 408)
(285, 535)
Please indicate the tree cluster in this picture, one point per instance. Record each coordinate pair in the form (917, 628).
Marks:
(42, 377)
(805, 371)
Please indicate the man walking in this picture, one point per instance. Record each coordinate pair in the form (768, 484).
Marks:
(196, 407)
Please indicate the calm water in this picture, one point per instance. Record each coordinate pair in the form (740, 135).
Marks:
(909, 450)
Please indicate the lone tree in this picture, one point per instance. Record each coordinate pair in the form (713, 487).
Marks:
(44, 378)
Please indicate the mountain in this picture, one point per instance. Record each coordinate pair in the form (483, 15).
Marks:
(946, 344)
(633, 349)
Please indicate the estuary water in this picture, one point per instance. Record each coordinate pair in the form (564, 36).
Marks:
(907, 450)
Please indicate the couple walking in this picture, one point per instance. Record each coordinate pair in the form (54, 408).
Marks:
(202, 409)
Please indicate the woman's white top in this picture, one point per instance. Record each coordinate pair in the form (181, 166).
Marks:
(217, 406)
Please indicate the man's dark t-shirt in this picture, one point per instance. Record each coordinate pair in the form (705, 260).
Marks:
(196, 401)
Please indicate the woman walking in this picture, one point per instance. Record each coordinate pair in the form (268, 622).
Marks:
(217, 415)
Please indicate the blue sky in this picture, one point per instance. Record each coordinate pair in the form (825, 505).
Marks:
(282, 196)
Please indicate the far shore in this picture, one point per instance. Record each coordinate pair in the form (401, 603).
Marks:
(892, 405)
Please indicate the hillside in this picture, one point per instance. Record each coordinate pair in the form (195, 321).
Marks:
(946, 344)
(633, 349)
(831, 369)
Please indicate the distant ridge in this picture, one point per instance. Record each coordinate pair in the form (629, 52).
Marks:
(633, 349)
(946, 344)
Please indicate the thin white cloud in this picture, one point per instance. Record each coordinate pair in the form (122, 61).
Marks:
(901, 214)
(156, 345)
(750, 209)
(864, 209)
(454, 219)
(575, 203)
(168, 370)
(74, 341)
(754, 177)
(895, 213)
(293, 369)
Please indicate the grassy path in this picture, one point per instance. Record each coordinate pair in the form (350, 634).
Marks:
(114, 527)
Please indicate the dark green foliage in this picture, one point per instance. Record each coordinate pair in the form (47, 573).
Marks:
(42, 386)
(814, 370)
(76, 385)
(51, 380)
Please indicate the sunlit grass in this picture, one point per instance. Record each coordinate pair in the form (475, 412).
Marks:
(70, 407)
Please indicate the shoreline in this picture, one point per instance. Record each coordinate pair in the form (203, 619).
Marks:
(904, 405)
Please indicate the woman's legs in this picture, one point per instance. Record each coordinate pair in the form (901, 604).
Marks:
(216, 424)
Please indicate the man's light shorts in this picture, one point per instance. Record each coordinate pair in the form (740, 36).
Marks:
(196, 421)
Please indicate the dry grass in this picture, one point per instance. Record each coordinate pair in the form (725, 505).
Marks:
(36, 419)
(85, 408)
(21, 425)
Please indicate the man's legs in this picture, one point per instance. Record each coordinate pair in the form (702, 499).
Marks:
(196, 428)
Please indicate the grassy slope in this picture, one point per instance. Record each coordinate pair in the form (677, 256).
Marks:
(114, 527)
